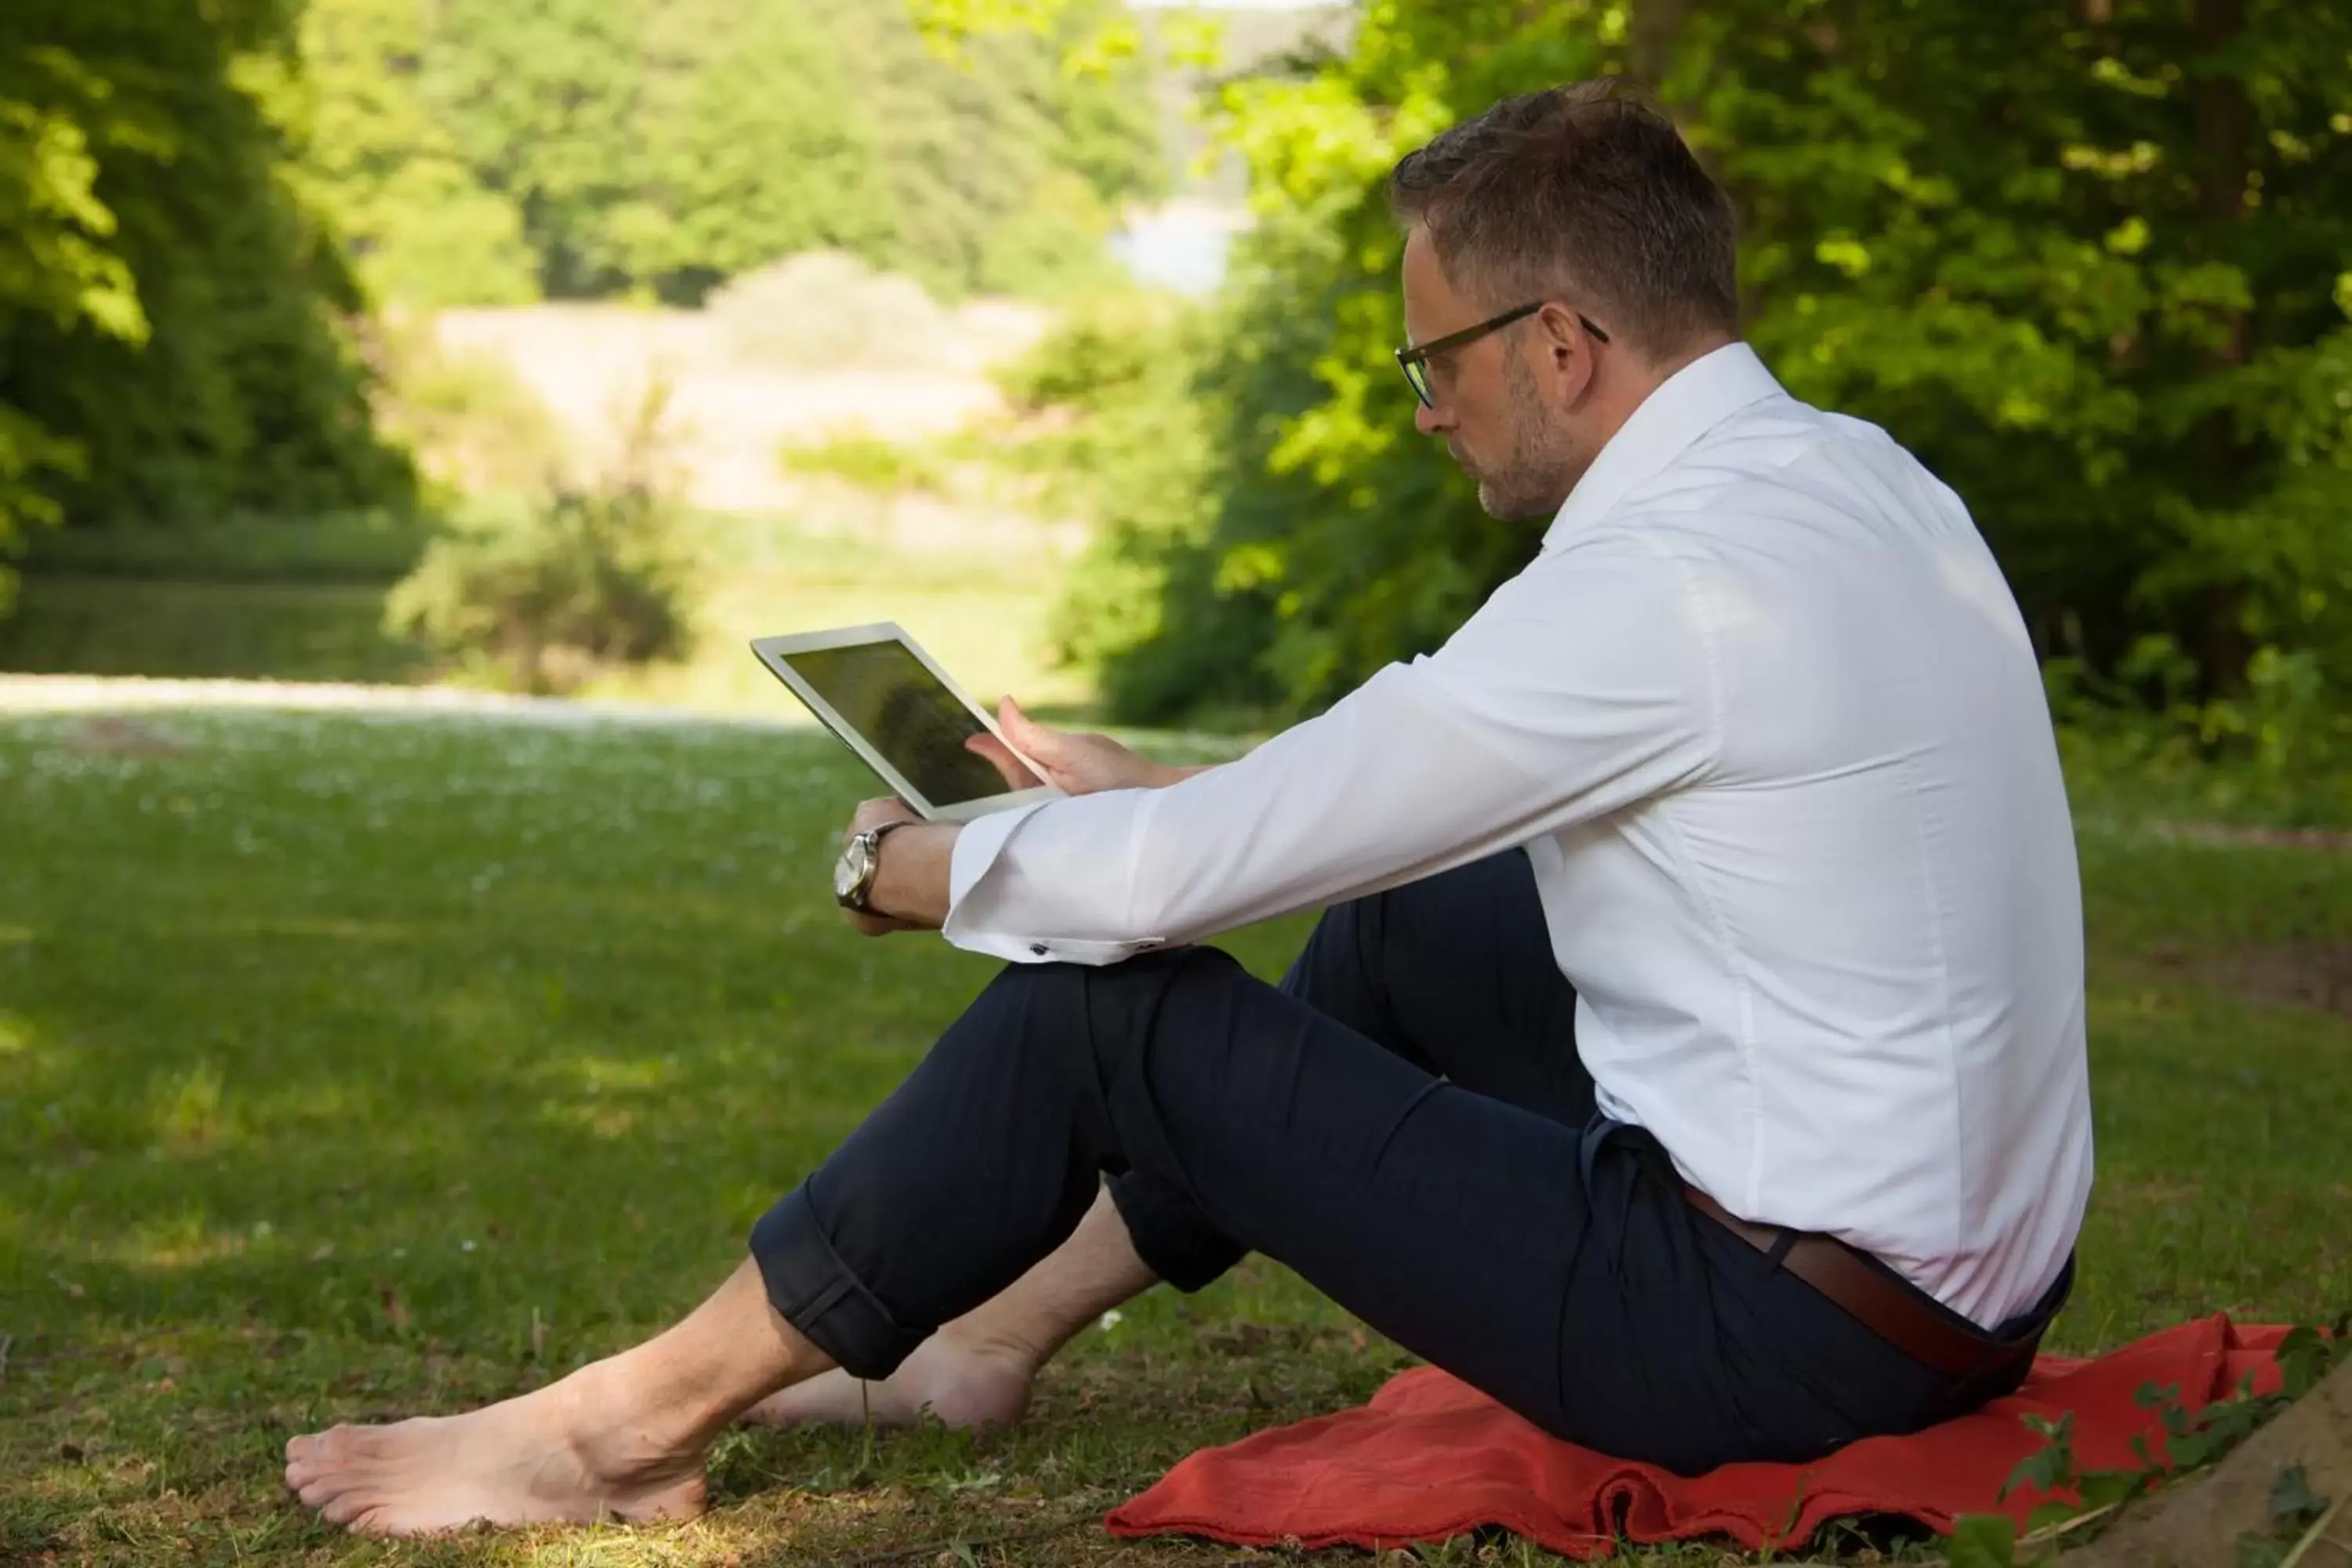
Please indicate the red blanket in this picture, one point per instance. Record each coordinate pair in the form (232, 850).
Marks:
(1429, 1458)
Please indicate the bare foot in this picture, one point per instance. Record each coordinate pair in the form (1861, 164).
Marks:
(962, 1383)
(560, 1453)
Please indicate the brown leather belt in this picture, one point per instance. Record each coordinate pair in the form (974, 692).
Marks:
(1897, 1312)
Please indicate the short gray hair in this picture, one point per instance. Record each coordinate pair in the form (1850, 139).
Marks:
(1586, 189)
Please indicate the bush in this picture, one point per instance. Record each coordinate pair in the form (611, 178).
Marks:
(826, 309)
(536, 596)
(1138, 447)
(872, 462)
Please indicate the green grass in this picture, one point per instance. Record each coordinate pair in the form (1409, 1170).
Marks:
(355, 1066)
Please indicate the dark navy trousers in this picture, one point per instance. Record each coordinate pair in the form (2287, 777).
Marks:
(1405, 1122)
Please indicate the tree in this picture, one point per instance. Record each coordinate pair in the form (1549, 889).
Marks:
(380, 158)
(171, 316)
(2086, 262)
(660, 147)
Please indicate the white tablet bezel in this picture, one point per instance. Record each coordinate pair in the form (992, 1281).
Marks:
(773, 652)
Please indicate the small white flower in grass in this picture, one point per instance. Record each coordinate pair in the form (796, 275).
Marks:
(1112, 1320)
(466, 1246)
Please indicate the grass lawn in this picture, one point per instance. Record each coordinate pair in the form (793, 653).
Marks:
(352, 1066)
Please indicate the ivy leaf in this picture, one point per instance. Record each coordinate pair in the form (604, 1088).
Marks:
(2303, 1358)
(2103, 1488)
(2259, 1552)
(2048, 1514)
(2050, 1467)
(2293, 1505)
(1982, 1540)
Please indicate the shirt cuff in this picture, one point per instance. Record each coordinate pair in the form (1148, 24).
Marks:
(977, 850)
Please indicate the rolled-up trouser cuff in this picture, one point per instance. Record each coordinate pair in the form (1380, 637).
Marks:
(1169, 1233)
(815, 1291)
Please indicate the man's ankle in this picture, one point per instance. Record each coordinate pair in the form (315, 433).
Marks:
(998, 1347)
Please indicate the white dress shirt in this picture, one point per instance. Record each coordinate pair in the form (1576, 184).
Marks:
(1765, 716)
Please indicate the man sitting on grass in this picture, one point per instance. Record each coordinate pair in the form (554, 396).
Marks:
(1691, 1056)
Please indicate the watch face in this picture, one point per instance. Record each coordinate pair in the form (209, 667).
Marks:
(850, 868)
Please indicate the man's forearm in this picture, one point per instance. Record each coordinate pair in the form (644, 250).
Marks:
(911, 882)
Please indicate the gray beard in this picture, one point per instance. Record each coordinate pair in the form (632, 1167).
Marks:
(1540, 471)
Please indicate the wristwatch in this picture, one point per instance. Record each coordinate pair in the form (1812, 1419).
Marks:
(853, 874)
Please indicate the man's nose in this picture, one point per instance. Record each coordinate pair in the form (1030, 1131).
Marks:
(1431, 421)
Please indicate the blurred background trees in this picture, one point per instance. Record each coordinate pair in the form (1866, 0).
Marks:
(481, 152)
(2088, 259)
(171, 316)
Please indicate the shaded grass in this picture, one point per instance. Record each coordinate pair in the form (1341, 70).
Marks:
(352, 1066)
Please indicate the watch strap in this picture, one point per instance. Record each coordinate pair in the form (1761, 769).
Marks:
(857, 898)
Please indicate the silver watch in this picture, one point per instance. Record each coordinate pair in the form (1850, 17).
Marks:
(853, 874)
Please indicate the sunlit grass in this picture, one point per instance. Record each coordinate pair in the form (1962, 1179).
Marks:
(354, 1066)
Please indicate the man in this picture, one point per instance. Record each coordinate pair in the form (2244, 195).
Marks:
(1692, 1055)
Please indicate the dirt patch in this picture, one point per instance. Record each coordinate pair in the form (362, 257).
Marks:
(2316, 975)
(115, 736)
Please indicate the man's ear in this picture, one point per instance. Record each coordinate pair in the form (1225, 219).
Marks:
(1567, 348)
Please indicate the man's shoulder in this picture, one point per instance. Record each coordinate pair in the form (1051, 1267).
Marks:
(1779, 456)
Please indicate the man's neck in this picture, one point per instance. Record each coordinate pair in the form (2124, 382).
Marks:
(1616, 404)
(1649, 375)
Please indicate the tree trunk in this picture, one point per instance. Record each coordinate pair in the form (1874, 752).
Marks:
(2223, 122)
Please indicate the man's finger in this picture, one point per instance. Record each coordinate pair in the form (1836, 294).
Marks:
(1028, 733)
(1017, 775)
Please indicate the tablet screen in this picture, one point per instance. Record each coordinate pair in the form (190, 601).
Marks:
(883, 692)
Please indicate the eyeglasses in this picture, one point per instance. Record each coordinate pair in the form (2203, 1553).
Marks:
(1415, 360)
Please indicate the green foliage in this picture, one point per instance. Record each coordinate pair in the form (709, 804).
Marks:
(484, 151)
(1127, 439)
(171, 316)
(2116, 321)
(871, 462)
(1982, 1540)
(2192, 1440)
(386, 168)
(536, 597)
(539, 594)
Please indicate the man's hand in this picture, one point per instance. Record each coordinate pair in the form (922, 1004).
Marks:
(1075, 764)
(873, 814)
(910, 878)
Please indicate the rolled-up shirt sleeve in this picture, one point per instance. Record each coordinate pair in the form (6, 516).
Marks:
(1584, 684)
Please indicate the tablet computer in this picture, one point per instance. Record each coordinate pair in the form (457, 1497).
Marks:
(883, 695)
